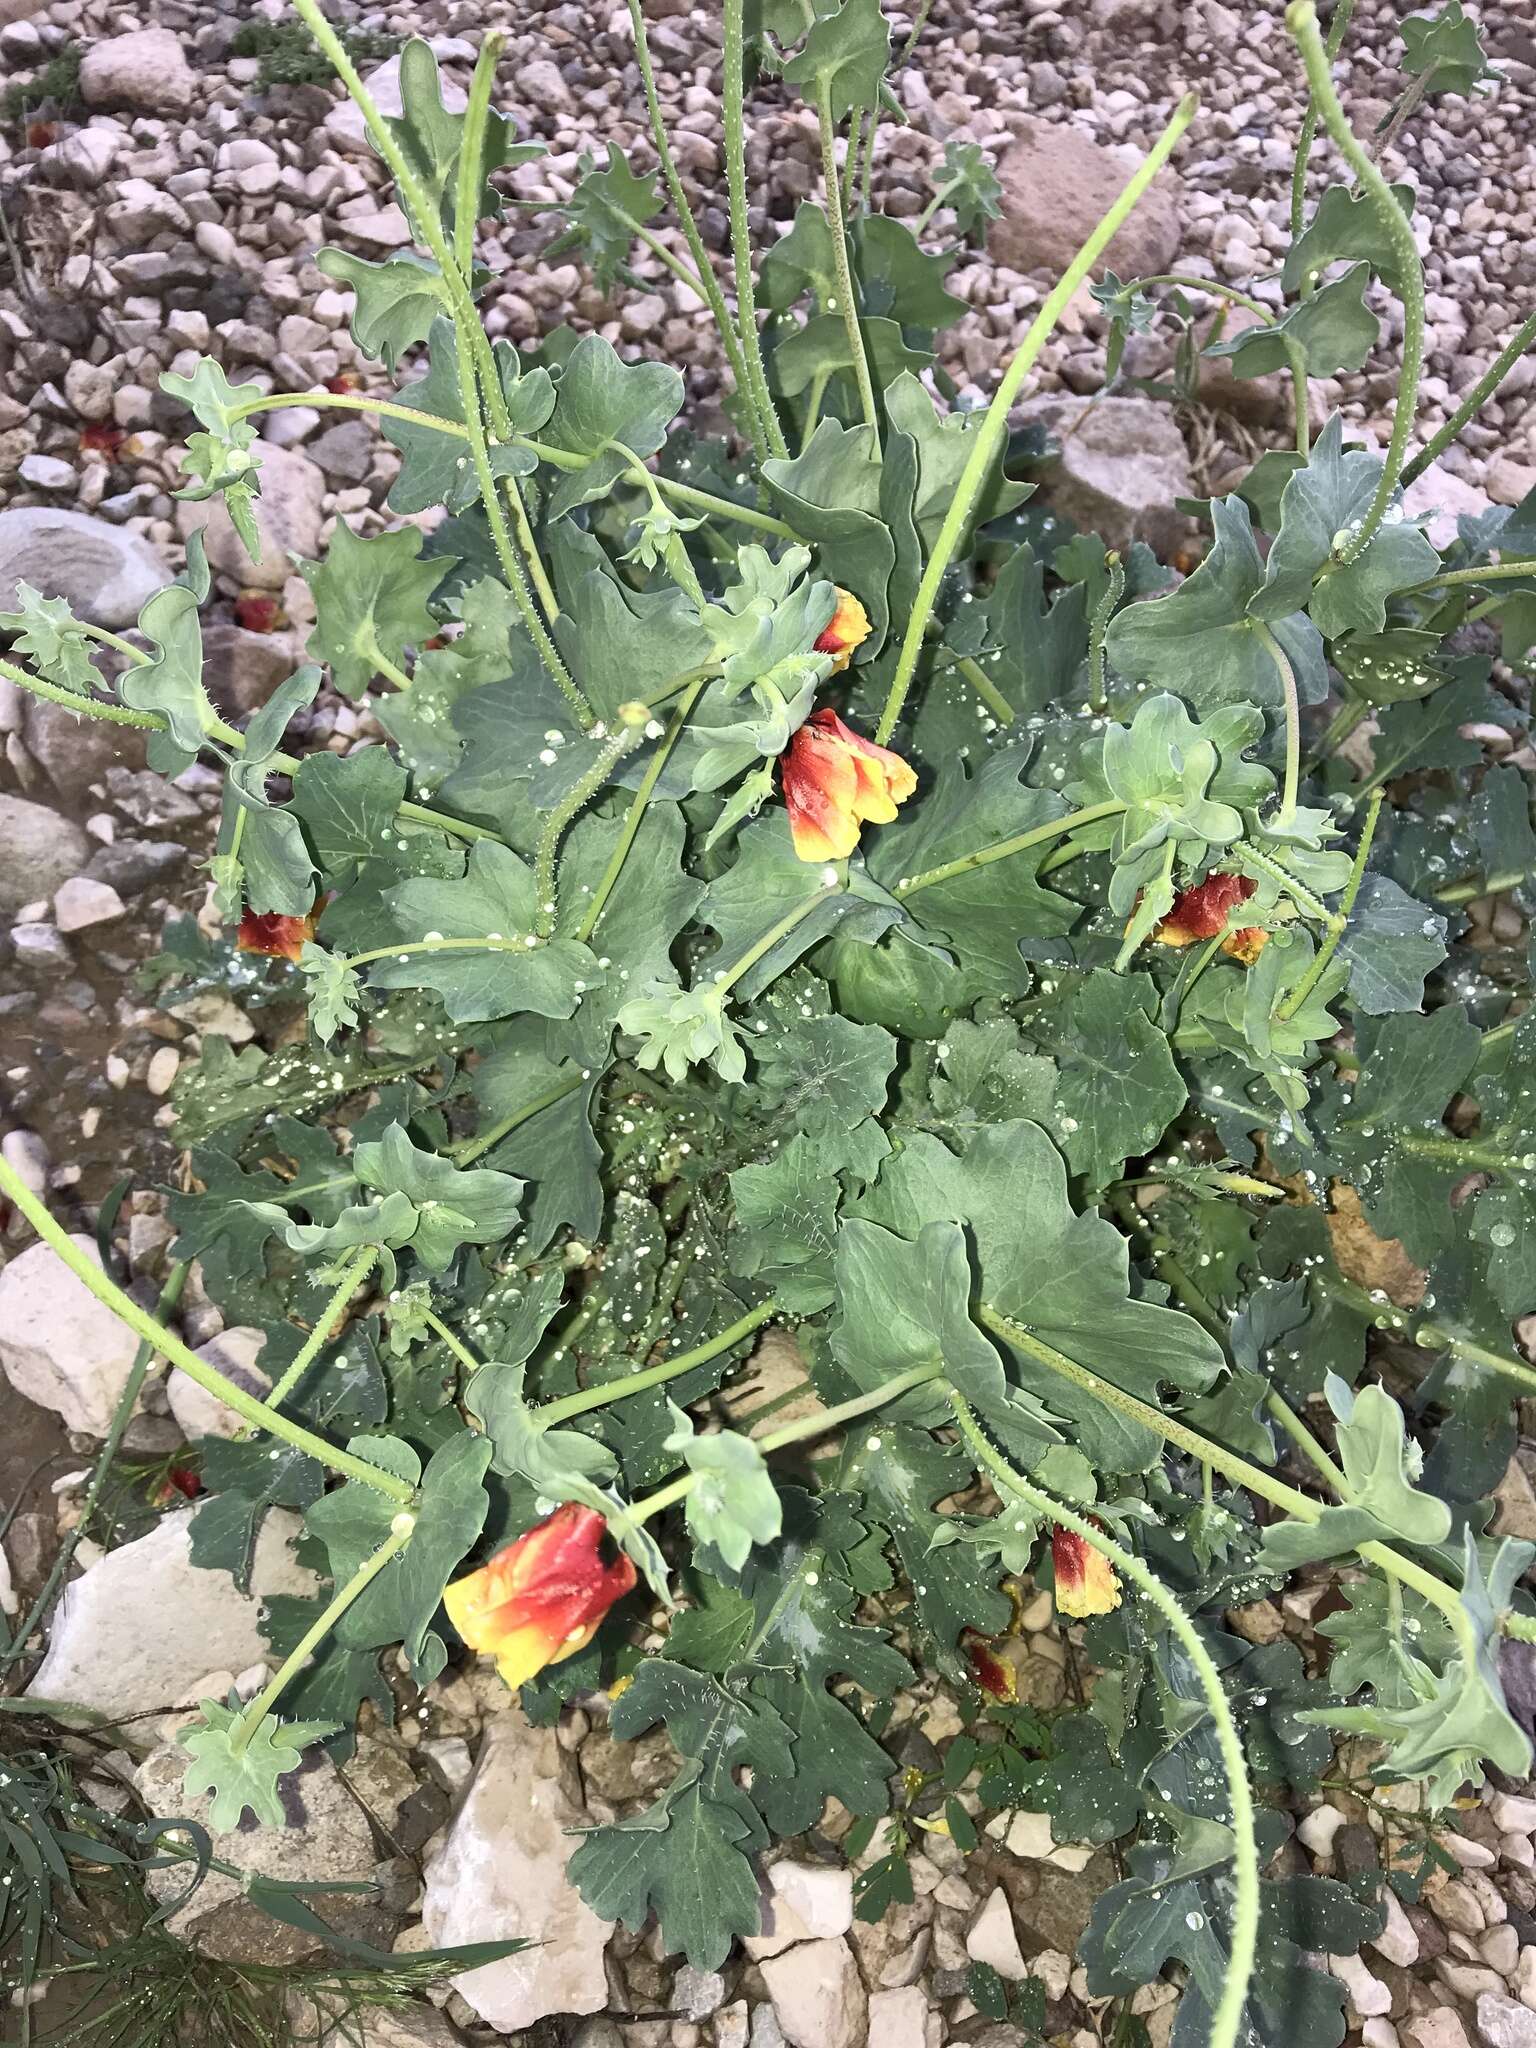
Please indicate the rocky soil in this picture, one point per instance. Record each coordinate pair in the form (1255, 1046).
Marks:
(173, 210)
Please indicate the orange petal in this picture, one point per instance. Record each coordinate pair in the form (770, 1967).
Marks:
(1085, 1583)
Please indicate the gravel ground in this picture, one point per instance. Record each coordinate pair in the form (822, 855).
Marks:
(179, 214)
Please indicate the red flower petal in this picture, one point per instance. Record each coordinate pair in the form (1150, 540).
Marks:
(847, 629)
(1201, 912)
(834, 781)
(1085, 1583)
(269, 932)
(542, 1597)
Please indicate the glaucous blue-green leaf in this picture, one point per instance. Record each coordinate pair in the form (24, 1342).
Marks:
(823, 348)
(547, 1099)
(347, 805)
(1426, 733)
(904, 1305)
(830, 495)
(1320, 506)
(765, 884)
(492, 647)
(171, 681)
(897, 278)
(604, 211)
(732, 1503)
(454, 1205)
(843, 59)
(1061, 1277)
(222, 458)
(785, 1218)
(944, 444)
(397, 300)
(432, 137)
(47, 634)
(1347, 227)
(371, 601)
(243, 1480)
(1117, 1088)
(1391, 943)
(496, 972)
(1444, 51)
(600, 400)
(247, 1777)
(1334, 330)
(355, 1521)
(966, 183)
(1201, 643)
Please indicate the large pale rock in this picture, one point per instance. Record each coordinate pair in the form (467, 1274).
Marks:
(1445, 498)
(1058, 185)
(501, 1872)
(241, 670)
(141, 1629)
(39, 852)
(327, 1839)
(905, 2019)
(104, 571)
(287, 514)
(994, 1940)
(233, 1353)
(146, 70)
(1503, 2023)
(60, 1346)
(818, 1995)
(345, 128)
(74, 752)
(1122, 464)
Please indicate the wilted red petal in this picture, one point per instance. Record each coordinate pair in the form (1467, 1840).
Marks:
(1201, 912)
(257, 611)
(834, 781)
(40, 134)
(186, 1481)
(994, 1674)
(847, 629)
(102, 438)
(269, 932)
(343, 382)
(1085, 1583)
(541, 1598)
(1246, 945)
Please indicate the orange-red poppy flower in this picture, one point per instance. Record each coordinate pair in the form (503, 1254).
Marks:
(270, 932)
(1085, 1584)
(542, 1598)
(834, 782)
(994, 1674)
(847, 629)
(1201, 912)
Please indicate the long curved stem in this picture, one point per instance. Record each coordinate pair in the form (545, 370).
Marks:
(1513, 349)
(1308, 135)
(637, 809)
(1340, 919)
(842, 266)
(143, 1324)
(623, 742)
(1227, 2020)
(708, 282)
(988, 440)
(1291, 701)
(1301, 20)
(1038, 835)
(401, 1529)
(223, 735)
(642, 1382)
(734, 93)
(357, 1269)
(477, 1147)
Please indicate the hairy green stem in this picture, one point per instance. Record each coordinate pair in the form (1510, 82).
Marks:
(477, 115)
(841, 264)
(1227, 2019)
(734, 95)
(477, 1147)
(1235, 1468)
(401, 1530)
(983, 685)
(1491, 572)
(637, 809)
(143, 1324)
(355, 1272)
(631, 732)
(1340, 920)
(1103, 612)
(1522, 338)
(709, 284)
(1308, 135)
(1301, 20)
(603, 1396)
(1292, 704)
(983, 856)
(455, 1343)
(1433, 1338)
(1481, 885)
(989, 439)
(37, 1613)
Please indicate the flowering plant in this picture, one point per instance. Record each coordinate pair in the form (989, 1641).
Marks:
(797, 895)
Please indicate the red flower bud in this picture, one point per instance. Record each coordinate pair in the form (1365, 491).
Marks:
(834, 781)
(270, 932)
(257, 611)
(541, 1599)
